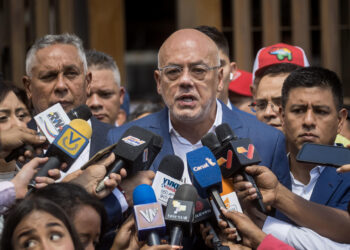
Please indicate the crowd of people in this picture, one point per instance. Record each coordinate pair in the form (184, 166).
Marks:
(283, 104)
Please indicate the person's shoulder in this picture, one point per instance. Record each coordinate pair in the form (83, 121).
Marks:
(148, 121)
(95, 123)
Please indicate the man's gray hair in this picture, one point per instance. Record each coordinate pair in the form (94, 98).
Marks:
(49, 40)
(99, 60)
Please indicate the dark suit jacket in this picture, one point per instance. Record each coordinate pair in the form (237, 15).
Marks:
(98, 142)
(269, 142)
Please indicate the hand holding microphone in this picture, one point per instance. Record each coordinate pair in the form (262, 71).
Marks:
(66, 147)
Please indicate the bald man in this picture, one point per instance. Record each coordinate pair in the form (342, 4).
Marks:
(188, 78)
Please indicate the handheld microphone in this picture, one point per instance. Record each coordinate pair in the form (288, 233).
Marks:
(51, 123)
(180, 213)
(66, 147)
(135, 151)
(206, 177)
(233, 155)
(168, 178)
(148, 215)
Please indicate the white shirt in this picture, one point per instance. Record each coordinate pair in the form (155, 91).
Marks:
(301, 237)
(182, 146)
(229, 105)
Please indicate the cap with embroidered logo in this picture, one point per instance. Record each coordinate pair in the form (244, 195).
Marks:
(279, 53)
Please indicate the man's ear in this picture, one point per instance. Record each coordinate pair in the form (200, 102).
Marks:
(157, 77)
(88, 79)
(121, 94)
(220, 85)
(342, 115)
(27, 86)
(233, 69)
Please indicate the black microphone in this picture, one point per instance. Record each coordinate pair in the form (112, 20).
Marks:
(66, 147)
(168, 178)
(180, 213)
(80, 112)
(135, 151)
(233, 155)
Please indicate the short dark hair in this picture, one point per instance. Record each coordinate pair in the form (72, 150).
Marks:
(313, 77)
(101, 60)
(70, 197)
(217, 36)
(24, 208)
(6, 87)
(274, 70)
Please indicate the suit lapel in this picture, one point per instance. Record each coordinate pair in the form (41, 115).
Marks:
(326, 185)
(230, 117)
(161, 127)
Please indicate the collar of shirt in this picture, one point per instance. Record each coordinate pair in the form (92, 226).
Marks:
(305, 191)
(182, 146)
(229, 104)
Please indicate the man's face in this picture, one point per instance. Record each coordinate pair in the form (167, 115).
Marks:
(187, 97)
(104, 95)
(268, 99)
(57, 77)
(310, 115)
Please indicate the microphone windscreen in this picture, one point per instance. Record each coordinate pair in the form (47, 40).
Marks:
(172, 166)
(204, 170)
(82, 126)
(186, 192)
(224, 133)
(80, 112)
(211, 141)
(143, 194)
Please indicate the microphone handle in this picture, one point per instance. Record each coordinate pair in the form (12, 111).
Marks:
(52, 163)
(215, 240)
(176, 235)
(259, 201)
(119, 164)
(215, 195)
(153, 239)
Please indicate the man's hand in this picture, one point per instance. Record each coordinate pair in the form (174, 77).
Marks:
(129, 184)
(251, 234)
(264, 179)
(25, 175)
(16, 137)
(90, 177)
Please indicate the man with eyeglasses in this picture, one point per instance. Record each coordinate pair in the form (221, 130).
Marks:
(188, 78)
(271, 67)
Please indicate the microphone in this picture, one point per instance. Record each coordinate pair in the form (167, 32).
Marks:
(233, 155)
(135, 151)
(180, 213)
(148, 215)
(168, 178)
(66, 147)
(206, 177)
(51, 123)
(80, 112)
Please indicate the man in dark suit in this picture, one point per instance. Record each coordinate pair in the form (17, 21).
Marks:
(188, 78)
(56, 72)
(312, 101)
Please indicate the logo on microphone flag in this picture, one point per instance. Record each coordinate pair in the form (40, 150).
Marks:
(247, 153)
(71, 141)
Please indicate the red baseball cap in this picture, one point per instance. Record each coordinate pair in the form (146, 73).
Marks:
(279, 53)
(240, 83)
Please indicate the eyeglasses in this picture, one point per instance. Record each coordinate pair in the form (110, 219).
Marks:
(261, 105)
(197, 71)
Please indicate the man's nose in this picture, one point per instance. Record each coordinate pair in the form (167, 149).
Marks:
(94, 102)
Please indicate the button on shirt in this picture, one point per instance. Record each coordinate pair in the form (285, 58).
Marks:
(301, 237)
(182, 146)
